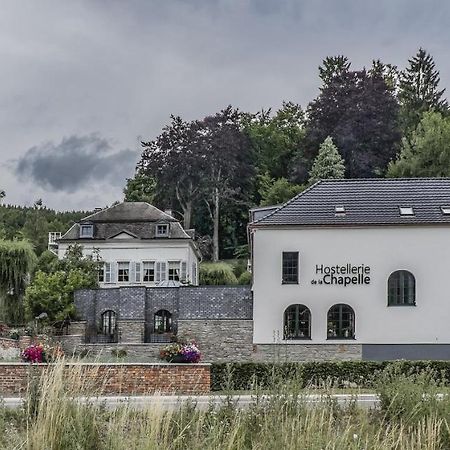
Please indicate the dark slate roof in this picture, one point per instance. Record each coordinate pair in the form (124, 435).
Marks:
(366, 202)
(138, 219)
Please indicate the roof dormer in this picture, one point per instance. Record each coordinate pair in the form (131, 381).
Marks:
(162, 230)
(86, 231)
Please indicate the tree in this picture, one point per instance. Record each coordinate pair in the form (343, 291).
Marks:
(333, 67)
(173, 160)
(2, 196)
(360, 112)
(228, 165)
(52, 292)
(419, 91)
(277, 140)
(427, 152)
(17, 260)
(140, 188)
(274, 192)
(328, 162)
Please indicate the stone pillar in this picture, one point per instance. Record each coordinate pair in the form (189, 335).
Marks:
(131, 330)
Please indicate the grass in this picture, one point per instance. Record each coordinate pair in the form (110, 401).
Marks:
(411, 416)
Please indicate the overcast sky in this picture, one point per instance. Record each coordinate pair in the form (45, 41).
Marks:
(82, 82)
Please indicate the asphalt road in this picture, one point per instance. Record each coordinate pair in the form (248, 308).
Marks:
(169, 402)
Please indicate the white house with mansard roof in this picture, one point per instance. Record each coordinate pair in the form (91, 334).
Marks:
(138, 244)
(362, 263)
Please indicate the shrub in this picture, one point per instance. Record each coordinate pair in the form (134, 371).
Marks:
(242, 376)
(42, 353)
(218, 274)
(119, 352)
(245, 278)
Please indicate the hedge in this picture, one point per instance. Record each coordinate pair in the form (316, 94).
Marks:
(243, 376)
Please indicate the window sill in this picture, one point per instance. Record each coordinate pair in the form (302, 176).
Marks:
(290, 282)
(297, 339)
(341, 338)
(401, 305)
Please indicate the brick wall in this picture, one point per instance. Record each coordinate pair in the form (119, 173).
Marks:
(119, 378)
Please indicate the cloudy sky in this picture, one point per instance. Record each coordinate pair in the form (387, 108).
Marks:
(82, 82)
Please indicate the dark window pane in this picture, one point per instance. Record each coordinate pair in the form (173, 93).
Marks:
(297, 322)
(341, 322)
(290, 268)
(401, 288)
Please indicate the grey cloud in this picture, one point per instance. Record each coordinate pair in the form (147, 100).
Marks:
(75, 163)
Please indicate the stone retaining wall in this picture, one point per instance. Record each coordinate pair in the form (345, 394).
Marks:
(120, 378)
(9, 348)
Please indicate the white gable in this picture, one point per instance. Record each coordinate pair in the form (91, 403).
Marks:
(123, 235)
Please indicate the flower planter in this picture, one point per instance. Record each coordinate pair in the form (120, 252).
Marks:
(177, 359)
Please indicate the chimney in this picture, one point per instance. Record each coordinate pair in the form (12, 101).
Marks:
(168, 211)
(96, 210)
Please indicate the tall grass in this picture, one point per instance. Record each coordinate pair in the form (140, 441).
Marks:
(54, 418)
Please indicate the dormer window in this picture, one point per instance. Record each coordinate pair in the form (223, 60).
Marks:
(86, 231)
(162, 230)
(445, 210)
(339, 210)
(406, 211)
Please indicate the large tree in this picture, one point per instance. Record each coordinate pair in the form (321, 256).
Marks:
(277, 139)
(173, 160)
(426, 153)
(140, 188)
(17, 260)
(360, 112)
(228, 165)
(419, 90)
(275, 192)
(328, 163)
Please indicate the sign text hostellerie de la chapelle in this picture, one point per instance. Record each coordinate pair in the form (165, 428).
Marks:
(343, 275)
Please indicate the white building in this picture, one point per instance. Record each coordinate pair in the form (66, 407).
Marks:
(138, 244)
(357, 262)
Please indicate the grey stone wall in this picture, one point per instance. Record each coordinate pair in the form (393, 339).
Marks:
(131, 330)
(220, 340)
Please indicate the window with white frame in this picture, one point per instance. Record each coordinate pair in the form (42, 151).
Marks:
(174, 270)
(162, 230)
(104, 273)
(148, 271)
(86, 231)
(123, 272)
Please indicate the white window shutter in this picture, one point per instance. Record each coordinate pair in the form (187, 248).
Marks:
(183, 275)
(107, 269)
(113, 272)
(132, 272)
(137, 272)
(161, 269)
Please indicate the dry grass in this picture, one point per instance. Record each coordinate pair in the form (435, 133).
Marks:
(54, 419)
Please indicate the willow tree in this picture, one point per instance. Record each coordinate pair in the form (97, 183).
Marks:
(17, 260)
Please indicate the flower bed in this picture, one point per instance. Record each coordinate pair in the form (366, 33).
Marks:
(181, 353)
(42, 353)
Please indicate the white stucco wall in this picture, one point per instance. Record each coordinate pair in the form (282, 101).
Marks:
(123, 249)
(424, 251)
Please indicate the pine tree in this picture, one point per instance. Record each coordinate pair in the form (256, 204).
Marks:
(328, 163)
(419, 90)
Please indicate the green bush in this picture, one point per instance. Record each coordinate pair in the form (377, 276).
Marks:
(218, 274)
(363, 374)
(245, 278)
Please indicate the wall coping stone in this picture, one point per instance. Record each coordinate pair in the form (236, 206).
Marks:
(145, 364)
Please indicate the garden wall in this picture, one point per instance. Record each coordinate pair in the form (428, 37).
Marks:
(9, 348)
(117, 378)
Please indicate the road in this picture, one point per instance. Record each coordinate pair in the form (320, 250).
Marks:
(172, 402)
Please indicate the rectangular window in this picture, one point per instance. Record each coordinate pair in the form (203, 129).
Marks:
(148, 271)
(174, 270)
(123, 272)
(86, 231)
(290, 268)
(161, 274)
(137, 272)
(162, 230)
(101, 274)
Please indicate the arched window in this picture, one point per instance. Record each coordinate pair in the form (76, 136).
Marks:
(401, 288)
(162, 321)
(297, 322)
(109, 323)
(341, 322)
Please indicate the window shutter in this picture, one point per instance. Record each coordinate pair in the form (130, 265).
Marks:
(183, 276)
(161, 268)
(137, 272)
(132, 272)
(113, 272)
(107, 269)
